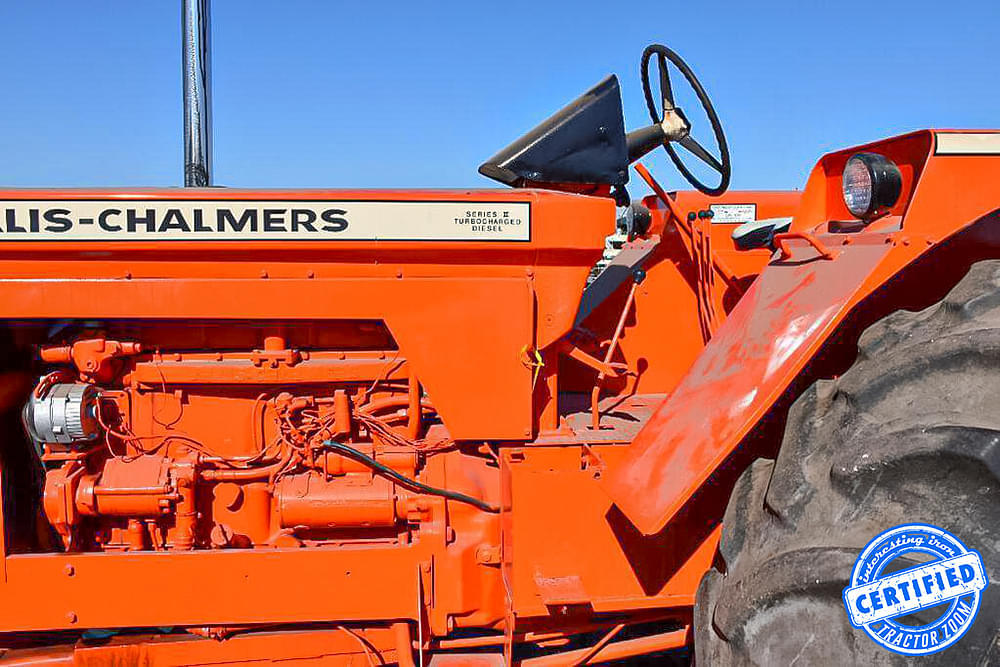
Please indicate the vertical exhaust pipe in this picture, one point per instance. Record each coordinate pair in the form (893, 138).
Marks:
(197, 31)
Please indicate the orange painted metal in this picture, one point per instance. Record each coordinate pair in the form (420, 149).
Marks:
(617, 651)
(669, 295)
(223, 367)
(509, 480)
(785, 253)
(336, 646)
(790, 311)
(684, 224)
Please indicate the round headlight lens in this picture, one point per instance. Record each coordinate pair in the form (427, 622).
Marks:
(871, 183)
(857, 187)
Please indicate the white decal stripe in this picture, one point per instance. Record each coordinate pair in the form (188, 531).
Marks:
(977, 143)
(263, 220)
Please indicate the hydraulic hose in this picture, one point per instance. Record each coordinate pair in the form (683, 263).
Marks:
(404, 481)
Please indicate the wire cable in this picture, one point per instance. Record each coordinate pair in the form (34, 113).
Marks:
(386, 471)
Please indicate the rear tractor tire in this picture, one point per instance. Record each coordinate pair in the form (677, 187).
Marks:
(909, 434)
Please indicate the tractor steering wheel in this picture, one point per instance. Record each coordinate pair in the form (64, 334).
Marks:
(676, 124)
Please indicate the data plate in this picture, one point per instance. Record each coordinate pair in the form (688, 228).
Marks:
(733, 213)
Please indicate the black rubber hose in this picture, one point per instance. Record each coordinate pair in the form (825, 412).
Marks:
(386, 471)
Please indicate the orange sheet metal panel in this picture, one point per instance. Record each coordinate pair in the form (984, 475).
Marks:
(566, 237)
(568, 546)
(441, 325)
(460, 311)
(787, 315)
(666, 296)
(210, 588)
(742, 370)
(340, 646)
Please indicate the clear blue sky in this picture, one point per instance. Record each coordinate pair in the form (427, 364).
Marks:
(417, 94)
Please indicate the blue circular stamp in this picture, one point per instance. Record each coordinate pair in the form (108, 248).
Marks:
(887, 594)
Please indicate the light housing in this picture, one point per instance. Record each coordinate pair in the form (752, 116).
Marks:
(871, 184)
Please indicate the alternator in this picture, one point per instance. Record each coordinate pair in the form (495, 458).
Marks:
(65, 413)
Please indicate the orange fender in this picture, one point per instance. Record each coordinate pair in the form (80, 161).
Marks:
(949, 183)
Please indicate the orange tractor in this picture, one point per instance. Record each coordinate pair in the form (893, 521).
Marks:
(542, 425)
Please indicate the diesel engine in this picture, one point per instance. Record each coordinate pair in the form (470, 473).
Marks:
(181, 437)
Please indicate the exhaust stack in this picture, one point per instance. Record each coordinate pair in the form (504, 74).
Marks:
(197, 31)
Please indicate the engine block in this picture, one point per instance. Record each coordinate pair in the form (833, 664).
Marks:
(276, 445)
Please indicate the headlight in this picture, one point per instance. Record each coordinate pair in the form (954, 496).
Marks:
(872, 183)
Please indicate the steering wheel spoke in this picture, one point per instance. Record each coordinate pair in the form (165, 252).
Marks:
(666, 105)
(666, 92)
(699, 152)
